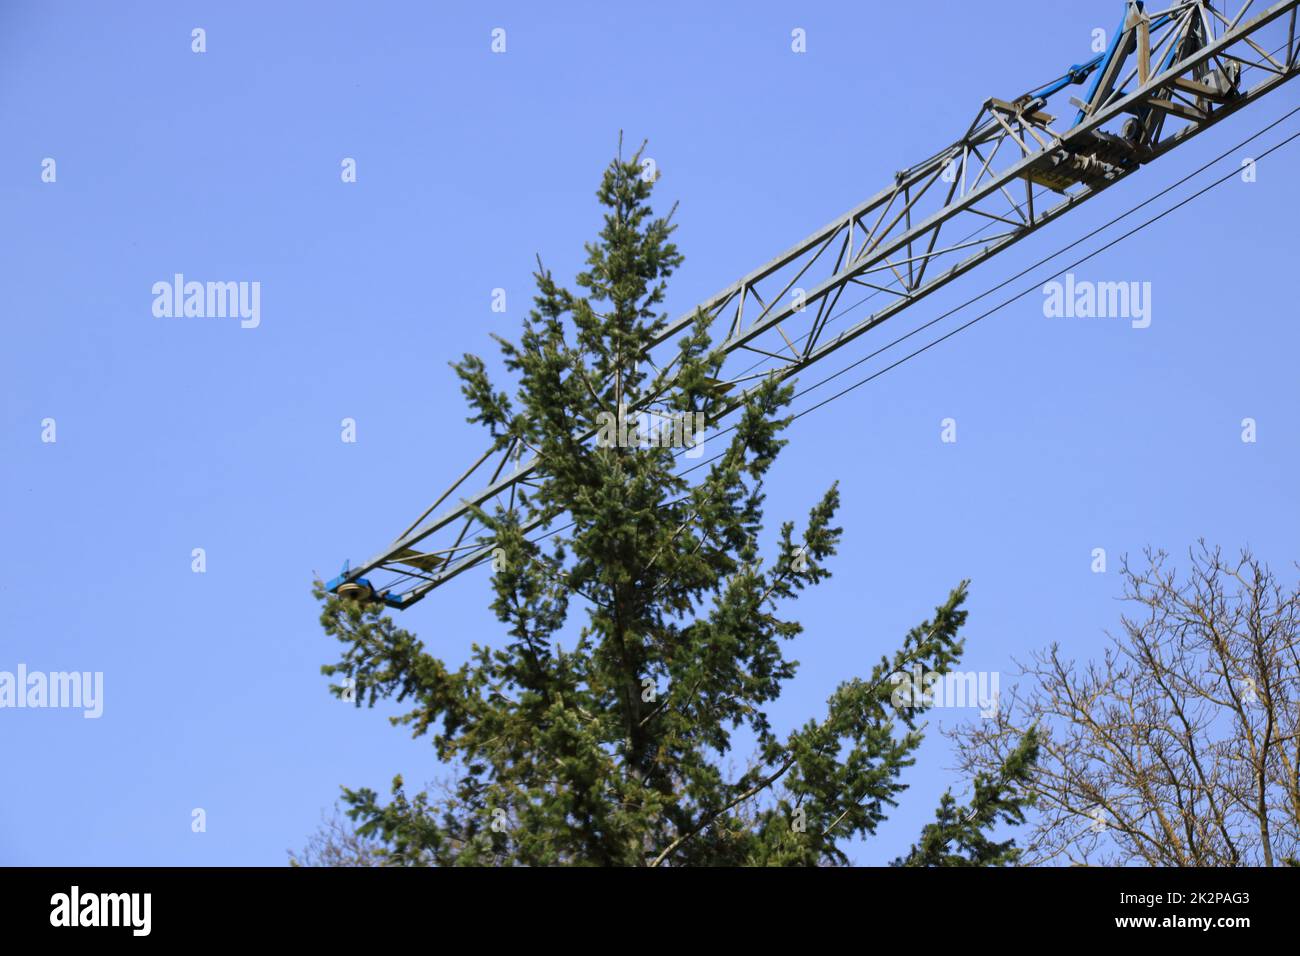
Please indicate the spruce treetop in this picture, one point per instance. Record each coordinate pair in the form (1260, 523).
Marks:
(649, 626)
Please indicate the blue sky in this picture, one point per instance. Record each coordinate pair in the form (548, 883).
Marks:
(174, 434)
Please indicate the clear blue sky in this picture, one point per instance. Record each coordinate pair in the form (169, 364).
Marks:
(177, 434)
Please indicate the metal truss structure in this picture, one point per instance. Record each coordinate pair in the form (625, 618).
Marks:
(1166, 76)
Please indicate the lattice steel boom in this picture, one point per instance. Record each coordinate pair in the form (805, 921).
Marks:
(1166, 76)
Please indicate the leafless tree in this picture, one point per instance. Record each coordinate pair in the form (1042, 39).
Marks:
(337, 843)
(1181, 745)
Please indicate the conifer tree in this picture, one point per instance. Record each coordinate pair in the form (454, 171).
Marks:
(649, 629)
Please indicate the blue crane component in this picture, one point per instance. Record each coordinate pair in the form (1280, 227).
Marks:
(1162, 80)
(1074, 76)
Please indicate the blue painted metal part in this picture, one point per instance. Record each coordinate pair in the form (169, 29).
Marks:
(333, 586)
(342, 579)
(1077, 74)
(1105, 62)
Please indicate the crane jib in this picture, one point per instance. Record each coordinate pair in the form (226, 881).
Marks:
(1161, 81)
